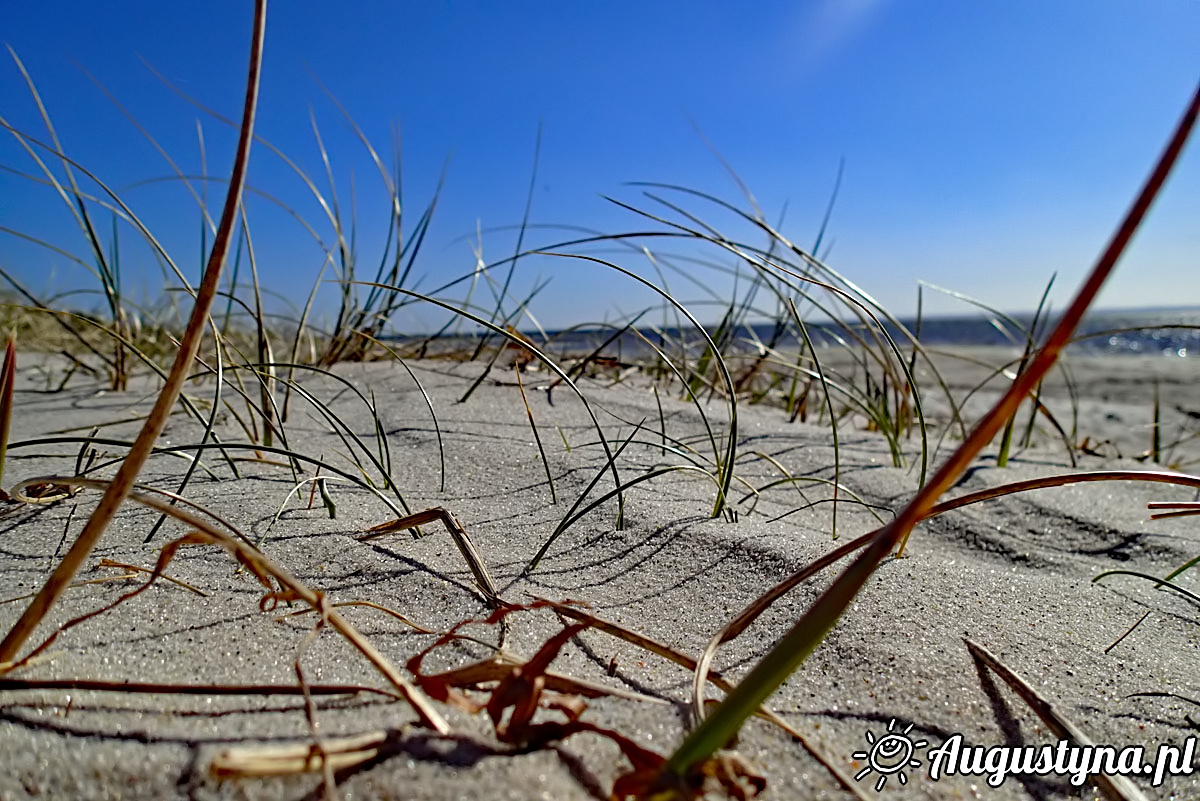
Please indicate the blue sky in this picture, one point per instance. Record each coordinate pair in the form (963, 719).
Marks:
(986, 145)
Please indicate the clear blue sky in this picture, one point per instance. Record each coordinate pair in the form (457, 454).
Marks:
(986, 145)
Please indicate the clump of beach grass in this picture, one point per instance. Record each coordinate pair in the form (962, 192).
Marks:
(715, 730)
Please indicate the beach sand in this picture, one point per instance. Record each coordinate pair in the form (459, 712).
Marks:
(1013, 574)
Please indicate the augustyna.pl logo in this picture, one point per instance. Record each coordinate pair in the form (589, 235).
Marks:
(890, 755)
(894, 753)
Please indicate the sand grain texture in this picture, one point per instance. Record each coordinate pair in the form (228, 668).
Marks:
(1013, 574)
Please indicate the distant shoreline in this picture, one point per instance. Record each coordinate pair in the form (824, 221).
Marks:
(1172, 333)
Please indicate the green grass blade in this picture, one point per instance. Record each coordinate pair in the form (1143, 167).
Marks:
(715, 731)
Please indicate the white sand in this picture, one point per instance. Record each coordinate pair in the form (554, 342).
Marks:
(1014, 575)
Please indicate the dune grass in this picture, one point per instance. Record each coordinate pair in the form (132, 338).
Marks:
(834, 356)
(715, 730)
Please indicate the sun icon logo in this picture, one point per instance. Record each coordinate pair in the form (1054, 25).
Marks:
(890, 755)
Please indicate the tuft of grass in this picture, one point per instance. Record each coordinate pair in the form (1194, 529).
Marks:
(106, 262)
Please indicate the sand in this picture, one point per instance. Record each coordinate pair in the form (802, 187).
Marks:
(1014, 575)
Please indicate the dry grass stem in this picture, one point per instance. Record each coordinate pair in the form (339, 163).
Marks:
(1115, 788)
(483, 578)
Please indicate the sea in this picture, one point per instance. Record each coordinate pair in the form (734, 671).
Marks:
(1170, 333)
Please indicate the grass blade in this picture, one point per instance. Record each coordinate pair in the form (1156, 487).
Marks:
(1116, 788)
(7, 377)
(536, 436)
